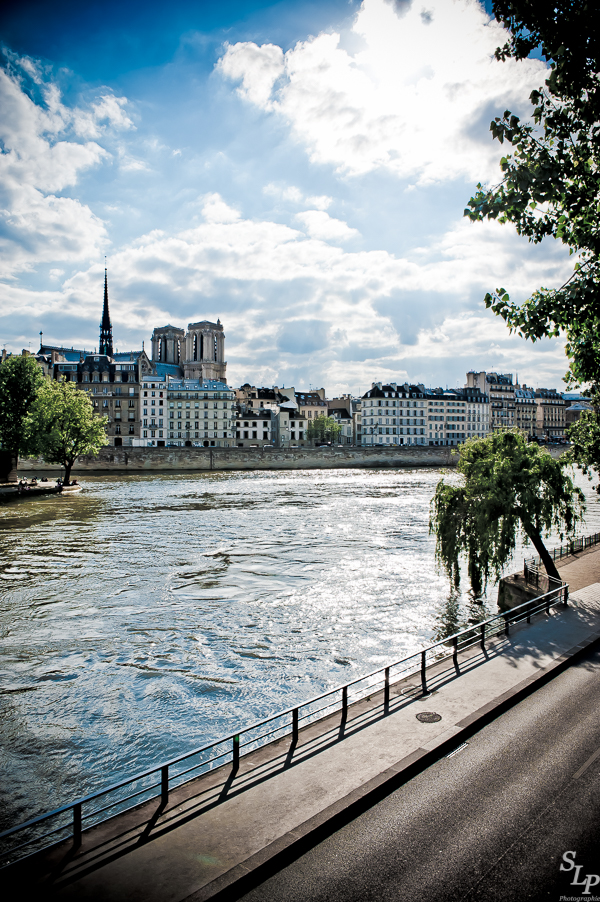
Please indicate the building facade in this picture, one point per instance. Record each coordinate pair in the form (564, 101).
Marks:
(177, 397)
(525, 410)
(394, 415)
(255, 428)
(550, 415)
(457, 415)
(501, 392)
(201, 413)
(199, 352)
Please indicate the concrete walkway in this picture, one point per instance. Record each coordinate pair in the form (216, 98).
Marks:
(581, 569)
(219, 828)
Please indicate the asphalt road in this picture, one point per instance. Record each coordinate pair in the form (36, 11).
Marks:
(490, 822)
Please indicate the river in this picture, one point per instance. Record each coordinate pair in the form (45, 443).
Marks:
(149, 614)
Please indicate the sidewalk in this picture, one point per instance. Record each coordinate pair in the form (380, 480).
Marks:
(221, 827)
(582, 569)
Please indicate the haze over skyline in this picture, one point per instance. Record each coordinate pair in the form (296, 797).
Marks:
(298, 170)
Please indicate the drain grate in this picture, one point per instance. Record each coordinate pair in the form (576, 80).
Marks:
(429, 717)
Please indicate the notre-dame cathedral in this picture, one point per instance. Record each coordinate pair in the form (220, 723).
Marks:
(199, 352)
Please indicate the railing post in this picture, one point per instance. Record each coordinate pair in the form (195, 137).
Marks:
(344, 702)
(423, 672)
(483, 636)
(386, 688)
(455, 652)
(506, 624)
(164, 784)
(529, 607)
(236, 751)
(566, 596)
(295, 725)
(77, 825)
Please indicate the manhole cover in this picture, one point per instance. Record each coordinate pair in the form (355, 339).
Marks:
(429, 717)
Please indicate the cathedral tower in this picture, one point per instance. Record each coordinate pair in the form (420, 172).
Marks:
(205, 351)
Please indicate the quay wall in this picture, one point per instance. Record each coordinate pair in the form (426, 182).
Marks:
(176, 460)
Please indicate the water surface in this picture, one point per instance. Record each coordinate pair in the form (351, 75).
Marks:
(150, 614)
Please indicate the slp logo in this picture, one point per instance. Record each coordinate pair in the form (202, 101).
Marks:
(589, 880)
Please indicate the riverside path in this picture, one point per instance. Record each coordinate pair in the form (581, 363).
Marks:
(224, 830)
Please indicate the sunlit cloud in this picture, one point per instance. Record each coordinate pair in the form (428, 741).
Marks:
(409, 102)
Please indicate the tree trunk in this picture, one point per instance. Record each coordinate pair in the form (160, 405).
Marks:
(67, 478)
(546, 559)
(8, 466)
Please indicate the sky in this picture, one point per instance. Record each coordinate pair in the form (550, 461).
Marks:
(297, 169)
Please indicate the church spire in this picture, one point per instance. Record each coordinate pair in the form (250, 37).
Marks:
(106, 341)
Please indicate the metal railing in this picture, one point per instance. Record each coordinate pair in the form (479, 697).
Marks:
(69, 821)
(573, 546)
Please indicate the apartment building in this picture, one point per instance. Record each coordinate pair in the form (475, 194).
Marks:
(501, 392)
(255, 428)
(453, 416)
(201, 413)
(551, 418)
(394, 414)
(525, 409)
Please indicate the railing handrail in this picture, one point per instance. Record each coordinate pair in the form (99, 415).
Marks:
(466, 631)
(584, 541)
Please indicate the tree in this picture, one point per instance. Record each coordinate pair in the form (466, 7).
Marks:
(324, 429)
(550, 185)
(506, 486)
(20, 381)
(64, 421)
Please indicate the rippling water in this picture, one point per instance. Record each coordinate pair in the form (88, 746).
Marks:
(150, 614)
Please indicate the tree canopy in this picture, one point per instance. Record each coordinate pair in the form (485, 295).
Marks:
(325, 429)
(64, 420)
(505, 486)
(550, 185)
(20, 381)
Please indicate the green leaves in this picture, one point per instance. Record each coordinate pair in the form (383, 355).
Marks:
(505, 486)
(64, 421)
(323, 428)
(20, 381)
(550, 185)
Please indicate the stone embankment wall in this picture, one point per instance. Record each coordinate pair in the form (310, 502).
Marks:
(142, 460)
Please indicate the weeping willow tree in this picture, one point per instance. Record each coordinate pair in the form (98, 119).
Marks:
(506, 486)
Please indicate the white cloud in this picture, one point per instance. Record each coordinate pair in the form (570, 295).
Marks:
(319, 224)
(293, 304)
(408, 103)
(258, 68)
(42, 158)
(294, 195)
(215, 210)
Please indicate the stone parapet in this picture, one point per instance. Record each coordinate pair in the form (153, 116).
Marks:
(215, 459)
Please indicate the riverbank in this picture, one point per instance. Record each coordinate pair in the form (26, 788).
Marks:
(137, 460)
(10, 492)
